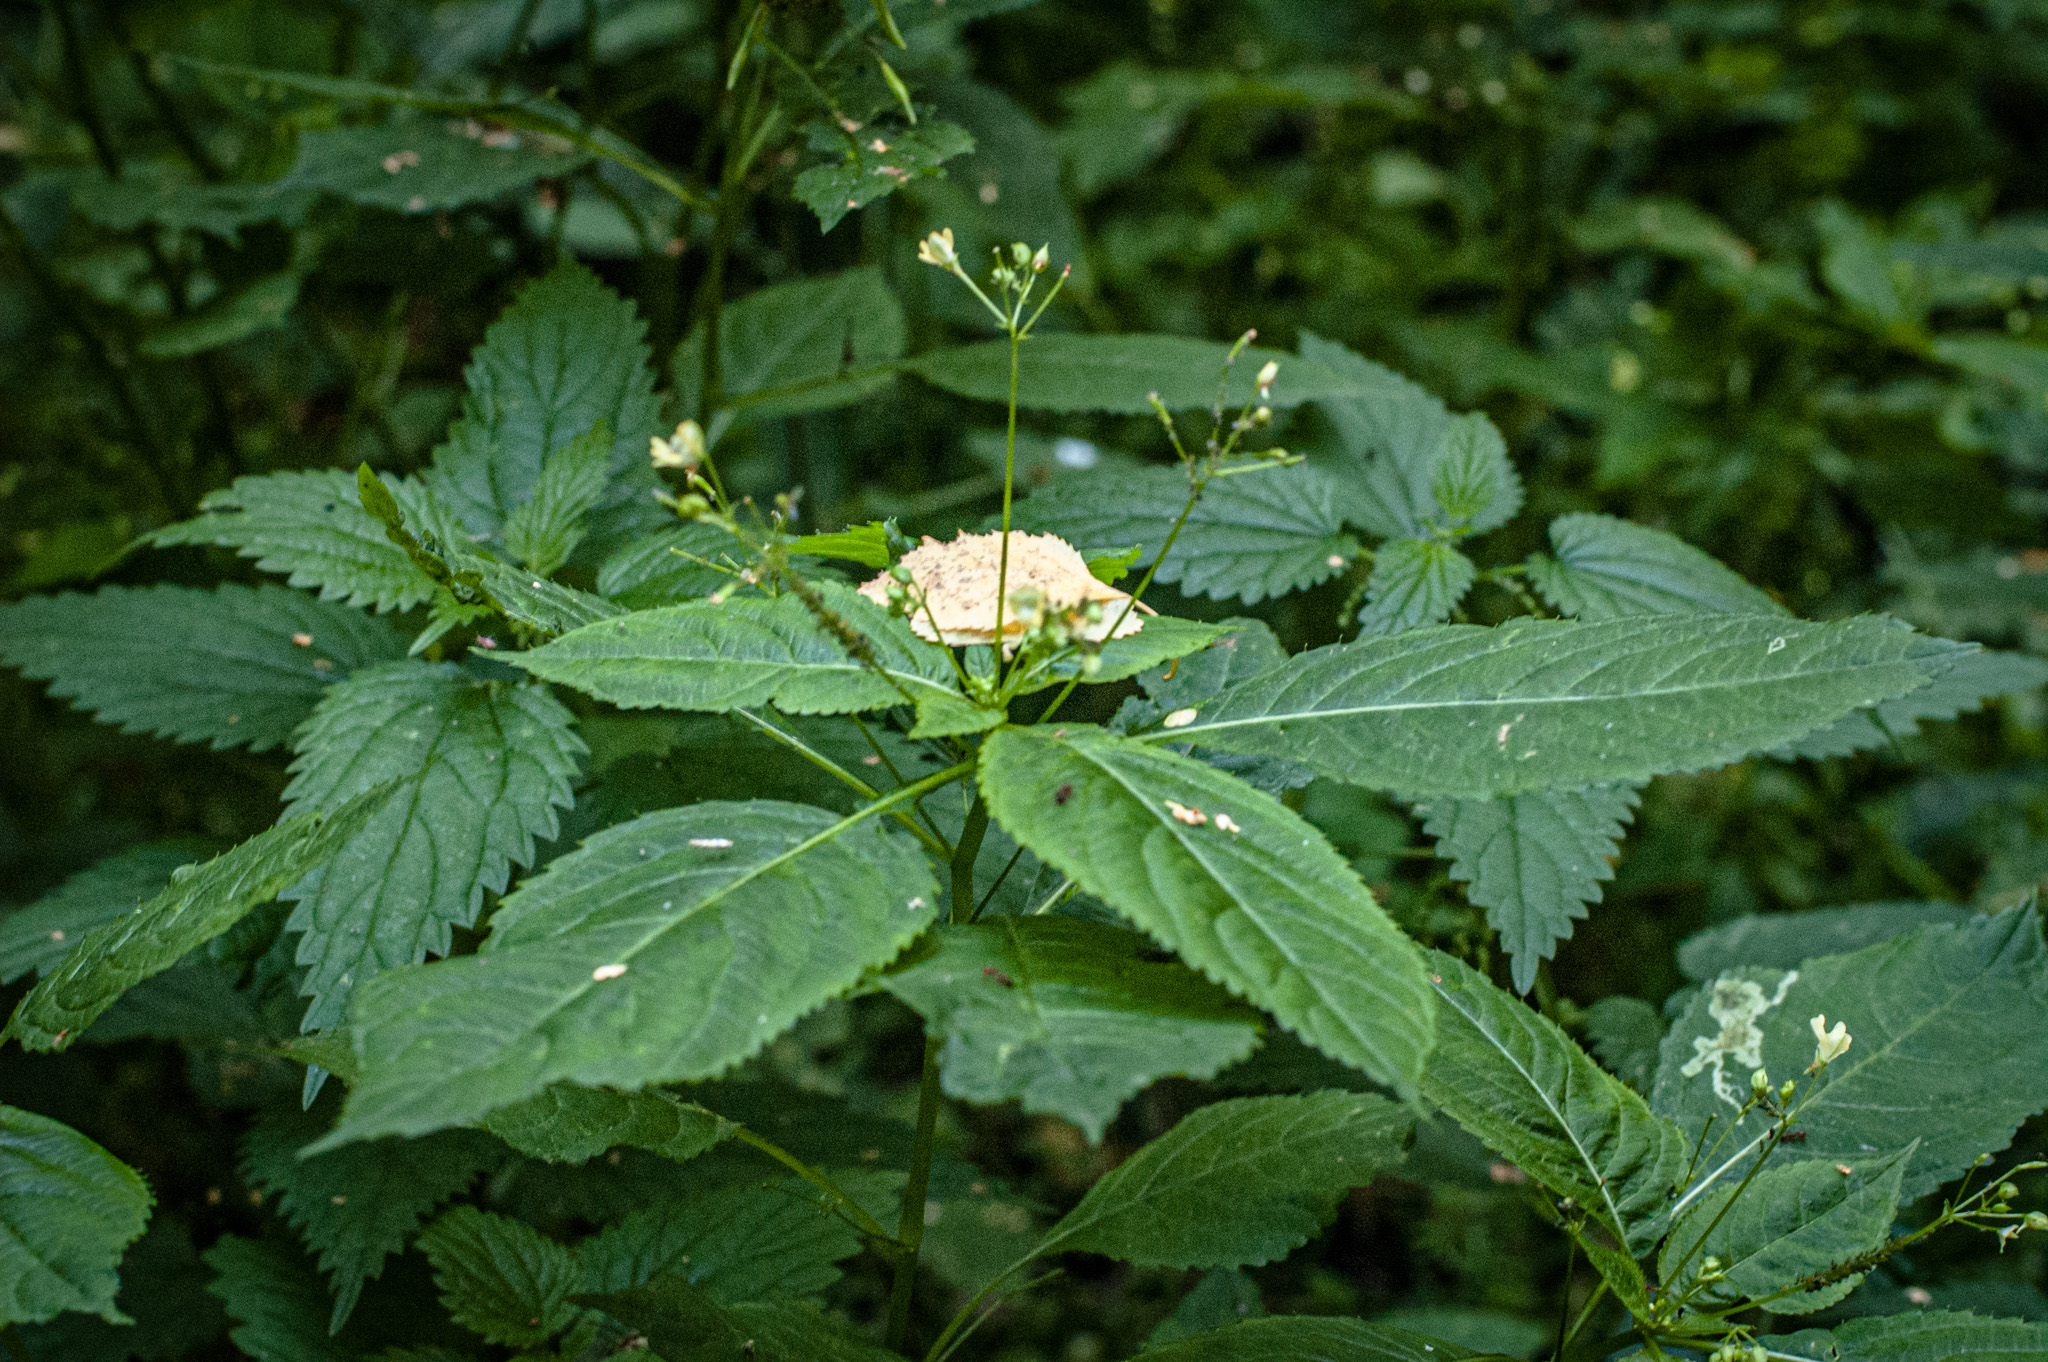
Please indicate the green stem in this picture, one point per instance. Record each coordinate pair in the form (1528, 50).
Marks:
(1009, 485)
(841, 1201)
(964, 856)
(844, 776)
(167, 110)
(910, 1227)
(522, 26)
(1599, 1294)
(946, 1335)
(1564, 1308)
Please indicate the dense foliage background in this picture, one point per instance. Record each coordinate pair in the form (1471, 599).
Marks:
(1767, 275)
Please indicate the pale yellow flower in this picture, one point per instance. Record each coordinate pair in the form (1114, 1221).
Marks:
(937, 249)
(1829, 1046)
(684, 449)
(956, 583)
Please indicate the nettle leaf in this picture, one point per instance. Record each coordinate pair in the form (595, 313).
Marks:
(1533, 861)
(311, 526)
(500, 1278)
(1473, 484)
(361, 1203)
(68, 1209)
(1231, 879)
(543, 532)
(1794, 1221)
(567, 354)
(534, 601)
(736, 1243)
(476, 771)
(808, 345)
(1946, 1023)
(171, 195)
(1237, 1183)
(414, 165)
(1473, 712)
(1262, 534)
(1607, 568)
(1920, 1336)
(222, 667)
(1308, 1338)
(1063, 1014)
(665, 949)
(35, 938)
(1783, 940)
(875, 168)
(680, 1321)
(202, 902)
(755, 650)
(1511, 1077)
(565, 1123)
(1971, 680)
(670, 565)
(1413, 582)
(1163, 638)
(274, 1292)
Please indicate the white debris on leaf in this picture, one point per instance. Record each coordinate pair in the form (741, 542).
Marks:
(711, 843)
(604, 972)
(1194, 818)
(1736, 1005)
(1180, 718)
(957, 584)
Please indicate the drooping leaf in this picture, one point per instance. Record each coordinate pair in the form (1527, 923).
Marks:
(202, 902)
(35, 938)
(667, 948)
(275, 1296)
(670, 565)
(1063, 1014)
(361, 1203)
(1308, 1338)
(1511, 1077)
(476, 771)
(1414, 581)
(170, 195)
(1262, 534)
(808, 345)
(874, 169)
(1236, 1183)
(1793, 1222)
(681, 1321)
(564, 1123)
(1919, 1336)
(1468, 712)
(542, 532)
(755, 650)
(1973, 679)
(415, 165)
(1782, 940)
(737, 1243)
(1944, 1025)
(501, 1278)
(1232, 880)
(1533, 861)
(1607, 568)
(68, 1209)
(222, 667)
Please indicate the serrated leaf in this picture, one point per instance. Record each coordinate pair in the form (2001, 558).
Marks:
(1920, 1336)
(1263, 534)
(1393, 433)
(1972, 679)
(476, 771)
(415, 165)
(808, 345)
(1163, 638)
(312, 527)
(725, 922)
(567, 354)
(736, 1243)
(202, 902)
(681, 1321)
(1511, 1077)
(1782, 940)
(1414, 581)
(361, 1203)
(1063, 1015)
(564, 1123)
(1308, 1338)
(1231, 879)
(875, 168)
(1607, 568)
(68, 1209)
(542, 532)
(1793, 1222)
(751, 651)
(274, 1293)
(670, 565)
(500, 1278)
(534, 601)
(1237, 1183)
(1468, 712)
(866, 544)
(1474, 486)
(221, 667)
(35, 938)
(1945, 1024)
(1533, 861)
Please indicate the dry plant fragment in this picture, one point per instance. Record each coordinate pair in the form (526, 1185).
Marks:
(955, 587)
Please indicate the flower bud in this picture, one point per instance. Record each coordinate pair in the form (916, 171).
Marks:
(2036, 1220)
(1020, 254)
(1041, 259)
(1759, 1083)
(1267, 373)
(1786, 1089)
(2007, 1191)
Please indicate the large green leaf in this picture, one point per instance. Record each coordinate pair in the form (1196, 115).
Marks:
(1263, 534)
(542, 532)
(678, 1320)
(414, 165)
(222, 667)
(1414, 582)
(476, 770)
(756, 650)
(1972, 679)
(35, 938)
(68, 1209)
(1308, 1338)
(808, 345)
(1470, 712)
(1064, 1015)
(667, 948)
(1230, 878)
(1514, 1079)
(1945, 1025)
(499, 1277)
(744, 1242)
(1239, 1182)
(1920, 1336)
(872, 169)
(361, 1203)
(1782, 940)
(564, 1123)
(202, 902)
(671, 565)
(277, 1297)
(1607, 568)
(1794, 1221)
(1533, 861)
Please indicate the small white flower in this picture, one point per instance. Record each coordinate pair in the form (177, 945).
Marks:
(937, 249)
(1180, 718)
(1829, 1045)
(684, 449)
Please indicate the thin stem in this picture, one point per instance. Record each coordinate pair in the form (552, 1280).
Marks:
(1711, 1178)
(1599, 1294)
(988, 1314)
(1054, 899)
(841, 1201)
(910, 1228)
(1564, 1307)
(1015, 857)
(939, 1348)
(1763, 1157)
(180, 130)
(964, 856)
(844, 776)
(1009, 485)
(514, 41)
(80, 76)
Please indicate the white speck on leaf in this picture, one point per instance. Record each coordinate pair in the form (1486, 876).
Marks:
(1180, 718)
(711, 843)
(604, 972)
(1777, 645)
